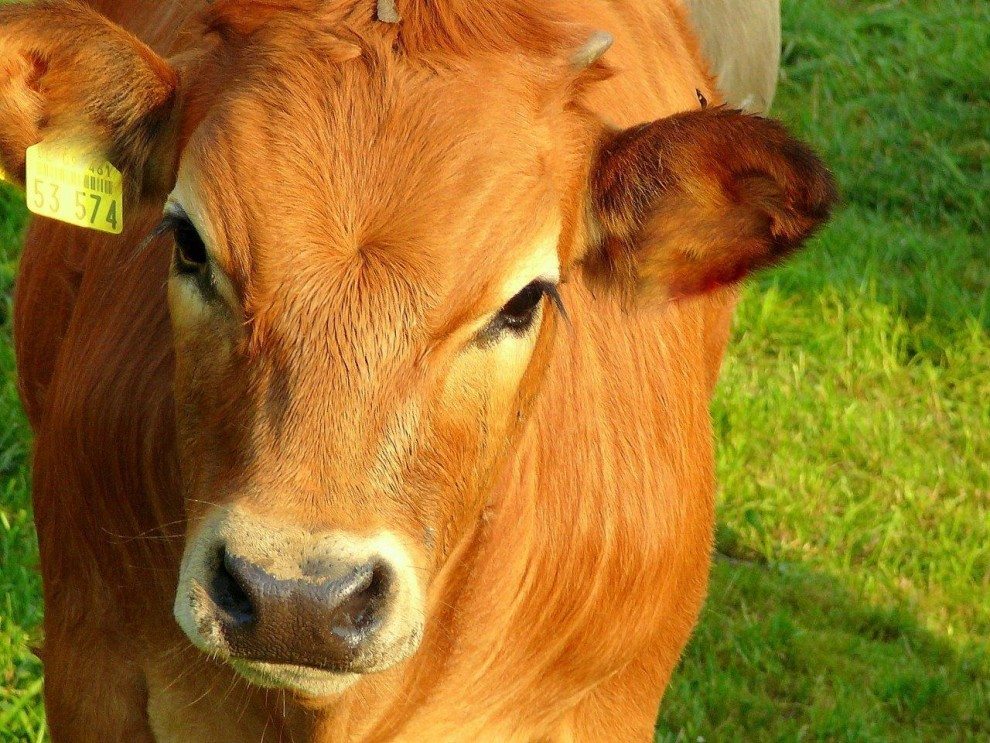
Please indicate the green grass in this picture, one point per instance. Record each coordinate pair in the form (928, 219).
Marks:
(21, 715)
(851, 596)
(851, 600)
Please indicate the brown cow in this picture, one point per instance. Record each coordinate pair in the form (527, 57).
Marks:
(403, 408)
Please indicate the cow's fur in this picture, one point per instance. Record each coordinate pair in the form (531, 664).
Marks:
(564, 520)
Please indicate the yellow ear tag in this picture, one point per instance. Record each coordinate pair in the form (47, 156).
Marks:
(66, 184)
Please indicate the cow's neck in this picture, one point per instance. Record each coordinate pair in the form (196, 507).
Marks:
(574, 542)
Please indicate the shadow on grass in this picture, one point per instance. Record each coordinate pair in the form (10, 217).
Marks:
(785, 653)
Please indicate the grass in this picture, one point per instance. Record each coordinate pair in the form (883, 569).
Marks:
(21, 714)
(850, 598)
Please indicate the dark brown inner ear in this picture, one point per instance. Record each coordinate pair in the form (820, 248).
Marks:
(698, 200)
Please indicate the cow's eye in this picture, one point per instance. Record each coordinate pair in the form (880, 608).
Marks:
(190, 250)
(518, 312)
(517, 315)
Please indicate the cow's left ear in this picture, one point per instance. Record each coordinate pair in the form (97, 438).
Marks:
(69, 74)
(696, 201)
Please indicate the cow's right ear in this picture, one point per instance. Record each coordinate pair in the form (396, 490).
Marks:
(696, 201)
(69, 74)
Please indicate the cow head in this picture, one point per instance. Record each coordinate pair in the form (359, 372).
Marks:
(371, 224)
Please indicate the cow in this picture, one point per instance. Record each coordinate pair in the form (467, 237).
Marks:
(386, 416)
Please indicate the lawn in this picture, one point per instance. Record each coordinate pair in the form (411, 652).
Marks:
(850, 597)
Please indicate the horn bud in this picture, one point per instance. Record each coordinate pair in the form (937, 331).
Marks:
(592, 49)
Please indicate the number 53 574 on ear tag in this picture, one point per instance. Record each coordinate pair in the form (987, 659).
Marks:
(68, 185)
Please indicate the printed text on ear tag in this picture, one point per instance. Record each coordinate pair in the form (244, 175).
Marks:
(68, 185)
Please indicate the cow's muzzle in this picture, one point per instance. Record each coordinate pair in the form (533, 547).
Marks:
(322, 620)
(293, 609)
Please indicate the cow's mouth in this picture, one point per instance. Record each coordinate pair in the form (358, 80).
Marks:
(294, 610)
(303, 680)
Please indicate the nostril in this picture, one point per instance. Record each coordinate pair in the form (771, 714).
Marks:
(229, 595)
(360, 613)
(372, 596)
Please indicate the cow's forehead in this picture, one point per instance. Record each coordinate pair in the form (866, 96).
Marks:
(444, 179)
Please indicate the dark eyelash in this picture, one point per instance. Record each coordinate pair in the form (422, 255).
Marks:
(551, 290)
(168, 224)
